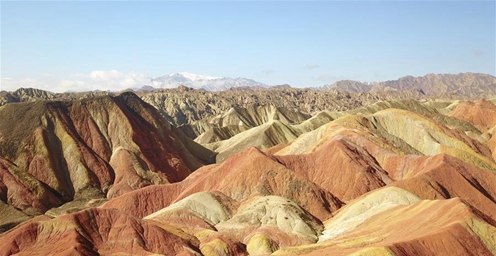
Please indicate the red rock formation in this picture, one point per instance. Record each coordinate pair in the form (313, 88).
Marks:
(480, 113)
(94, 232)
(341, 167)
(444, 227)
(90, 148)
(444, 176)
(245, 174)
(14, 192)
(142, 202)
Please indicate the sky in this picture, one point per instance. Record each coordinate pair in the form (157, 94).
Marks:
(113, 45)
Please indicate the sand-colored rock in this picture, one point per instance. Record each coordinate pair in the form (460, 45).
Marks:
(360, 210)
(317, 120)
(431, 138)
(238, 119)
(186, 109)
(261, 244)
(208, 207)
(220, 245)
(264, 136)
(259, 214)
(438, 227)
(385, 129)
(264, 128)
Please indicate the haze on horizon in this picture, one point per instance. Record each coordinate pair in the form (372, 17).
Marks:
(80, 46)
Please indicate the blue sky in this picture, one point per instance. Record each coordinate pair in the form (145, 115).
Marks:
(60, 45)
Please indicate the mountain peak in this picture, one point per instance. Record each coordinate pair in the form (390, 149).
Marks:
(209, 83)
(193, 77)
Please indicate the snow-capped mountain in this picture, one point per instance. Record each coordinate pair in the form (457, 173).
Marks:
(209, 83)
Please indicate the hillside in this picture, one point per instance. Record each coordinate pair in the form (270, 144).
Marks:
(56, 152)
(248, 173)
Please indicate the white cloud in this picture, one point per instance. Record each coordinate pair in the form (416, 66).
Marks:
(71, 85)
(112, 80)
(105, 75)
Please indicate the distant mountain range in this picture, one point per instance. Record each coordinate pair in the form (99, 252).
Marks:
(467, 84)
(472, 85)
(209, 83)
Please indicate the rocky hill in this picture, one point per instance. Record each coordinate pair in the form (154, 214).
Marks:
(32, 94)
(57, 152)
(181, 106)
(184, 105)
(110, 175)
(24, 94)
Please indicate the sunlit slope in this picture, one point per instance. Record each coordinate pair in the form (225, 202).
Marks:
(394, 178)
(403, 131)
(482, 114)
(56, 152)
(264, 136)
(439, 227)
(93, 232)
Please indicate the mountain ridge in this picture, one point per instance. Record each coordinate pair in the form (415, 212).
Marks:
(467, 84)
(202, 82)
(289, 172)
(442, 84)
